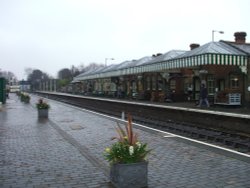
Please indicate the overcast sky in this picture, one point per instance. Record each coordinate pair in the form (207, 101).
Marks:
(53, 34)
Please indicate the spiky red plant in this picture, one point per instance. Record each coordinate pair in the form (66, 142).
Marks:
(128, 135)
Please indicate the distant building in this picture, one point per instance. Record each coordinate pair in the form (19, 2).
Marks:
(222, 66)
(24, 86)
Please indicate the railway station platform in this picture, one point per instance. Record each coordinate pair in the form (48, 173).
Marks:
(67, 151)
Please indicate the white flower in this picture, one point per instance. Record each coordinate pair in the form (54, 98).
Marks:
(131, 150)
(107, 150)
(138, 144)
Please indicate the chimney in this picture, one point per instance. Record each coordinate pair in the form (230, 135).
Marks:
(240, 37)
(155, 55)
(193, 46)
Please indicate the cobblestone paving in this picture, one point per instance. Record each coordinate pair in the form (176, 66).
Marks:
(33, 154)
(67, 151)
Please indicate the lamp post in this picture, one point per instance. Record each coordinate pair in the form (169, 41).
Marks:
(106, 59)
(213, 31)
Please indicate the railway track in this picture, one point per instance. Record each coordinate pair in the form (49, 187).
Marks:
(226, 138)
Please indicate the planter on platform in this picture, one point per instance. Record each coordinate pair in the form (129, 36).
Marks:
(43, 113)
(127, 158)
(43, 109)
(24, 97)
(26, 100)
(129, 175)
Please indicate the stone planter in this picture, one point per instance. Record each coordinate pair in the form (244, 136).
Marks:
(43, 113)
(26, 100)
(129, 175)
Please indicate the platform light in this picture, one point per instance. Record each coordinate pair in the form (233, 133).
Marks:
(213, 31)
(106, 59)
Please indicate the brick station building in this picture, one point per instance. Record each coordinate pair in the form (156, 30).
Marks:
(176, 75)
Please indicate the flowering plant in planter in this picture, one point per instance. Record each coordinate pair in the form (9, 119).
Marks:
(128, 149)
(42, 104)
(25, 97)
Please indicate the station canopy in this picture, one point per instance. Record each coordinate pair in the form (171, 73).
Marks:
(213, 53)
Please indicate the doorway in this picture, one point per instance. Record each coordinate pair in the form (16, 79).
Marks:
(197, 84)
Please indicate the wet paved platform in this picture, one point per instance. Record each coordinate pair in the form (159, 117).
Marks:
(67, 151)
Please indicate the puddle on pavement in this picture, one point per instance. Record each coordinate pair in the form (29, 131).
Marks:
(76, 127)
(66, 120)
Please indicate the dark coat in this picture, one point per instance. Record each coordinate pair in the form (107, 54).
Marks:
(203, 92)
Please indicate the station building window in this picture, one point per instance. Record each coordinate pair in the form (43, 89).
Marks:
(221, 85)
(153, 82)
(148, 83)
(160, 83)
(210, 84)
(134, 87)
(234, 81)
(173, 84)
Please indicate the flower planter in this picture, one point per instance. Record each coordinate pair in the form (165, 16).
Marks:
(129, 175)
(43, 113)
(26, 100)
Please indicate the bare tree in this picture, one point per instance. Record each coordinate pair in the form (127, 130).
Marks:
(36, 77)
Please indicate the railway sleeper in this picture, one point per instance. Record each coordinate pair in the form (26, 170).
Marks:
(244, 146)
(237, 143)
(210, 135)
(221, 139)
(192, 131)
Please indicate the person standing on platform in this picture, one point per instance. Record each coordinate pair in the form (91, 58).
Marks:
(203, 96)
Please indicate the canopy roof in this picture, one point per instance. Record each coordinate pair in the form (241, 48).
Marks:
(213, 48)
(217, 53)
(245, 47)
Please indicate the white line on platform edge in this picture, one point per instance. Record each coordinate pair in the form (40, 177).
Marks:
(171, 134)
